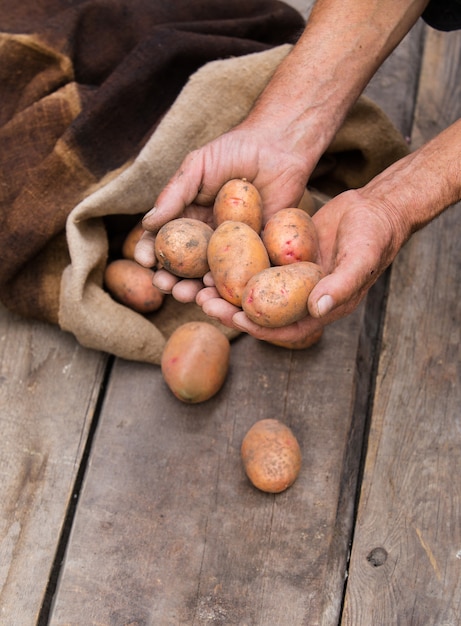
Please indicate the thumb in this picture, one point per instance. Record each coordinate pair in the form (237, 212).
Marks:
(178, 193)
(342, 289)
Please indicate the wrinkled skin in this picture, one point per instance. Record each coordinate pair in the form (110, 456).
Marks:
(278, 145)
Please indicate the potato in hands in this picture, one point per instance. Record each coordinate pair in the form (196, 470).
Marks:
(235, 253)
(290, 236)
(277, 296)
(181, 247)
(240, 201)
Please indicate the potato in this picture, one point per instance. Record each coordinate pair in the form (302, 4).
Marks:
(235, 253)
(271, 456)
(131, 284)
(240, 201)
(181, 247)
(290, 236)
(300, 344)
(277, 296)
(131, 240)
(195, 361)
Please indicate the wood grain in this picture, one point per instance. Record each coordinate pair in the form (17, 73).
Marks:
(170, 531)
(405, 564)
(48, 390)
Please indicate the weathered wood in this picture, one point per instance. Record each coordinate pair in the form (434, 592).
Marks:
(49, 386)
(303, 6)
(169, 530)
(395, 84)
(406, 557)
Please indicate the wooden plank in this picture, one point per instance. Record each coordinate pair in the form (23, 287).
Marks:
(405, 564)
(395, 84)
(168, 529)
(303, 6)
(48, 390)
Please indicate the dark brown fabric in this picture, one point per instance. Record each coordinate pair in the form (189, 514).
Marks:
(83, 84)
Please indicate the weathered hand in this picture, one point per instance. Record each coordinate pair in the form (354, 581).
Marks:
(279, 175)
(358, 240)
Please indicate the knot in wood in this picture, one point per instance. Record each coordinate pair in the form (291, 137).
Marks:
(377, 557)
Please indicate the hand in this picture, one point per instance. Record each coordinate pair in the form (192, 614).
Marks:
(279, 174)
(358, 240)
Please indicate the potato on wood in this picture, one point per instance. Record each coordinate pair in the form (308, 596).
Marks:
(271, 456)
(130, 241)
(235, 253)
(195, 361)
(240, 201)
(181, 247)
(290, 236)
(277, 296)
(131, 284)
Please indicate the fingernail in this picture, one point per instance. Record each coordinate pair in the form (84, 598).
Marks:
(235, 321)
(151, 212)
(144, 253)
(324, 305)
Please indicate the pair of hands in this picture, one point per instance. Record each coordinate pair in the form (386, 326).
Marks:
(277, 147)
(358, 236)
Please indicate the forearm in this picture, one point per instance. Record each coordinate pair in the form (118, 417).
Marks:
(417, 188)
(344, 43)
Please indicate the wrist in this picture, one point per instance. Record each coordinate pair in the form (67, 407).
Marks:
(419, 187)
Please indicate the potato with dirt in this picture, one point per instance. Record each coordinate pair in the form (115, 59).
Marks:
(181, 247)
(290, 236)
(271, 456)
(131, 284)
(235, 253)
(195, 361)
(239, 200)
(277, 296)
(130, 241)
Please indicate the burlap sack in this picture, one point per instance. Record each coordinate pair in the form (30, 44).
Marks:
(83, 85)
(216, 97)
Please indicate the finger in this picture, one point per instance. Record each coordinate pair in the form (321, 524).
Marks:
(208, 280)
(197, 212)
(206, 294)
(221, 310)
(164, 281)
(179, 192)
(186, 290)
(297, 333)
(144, 252)
(344, 288)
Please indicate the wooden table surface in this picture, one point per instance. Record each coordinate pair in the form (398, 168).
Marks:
(122, 506)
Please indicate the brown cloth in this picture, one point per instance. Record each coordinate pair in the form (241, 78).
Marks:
(84, 159)
(83, 84)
